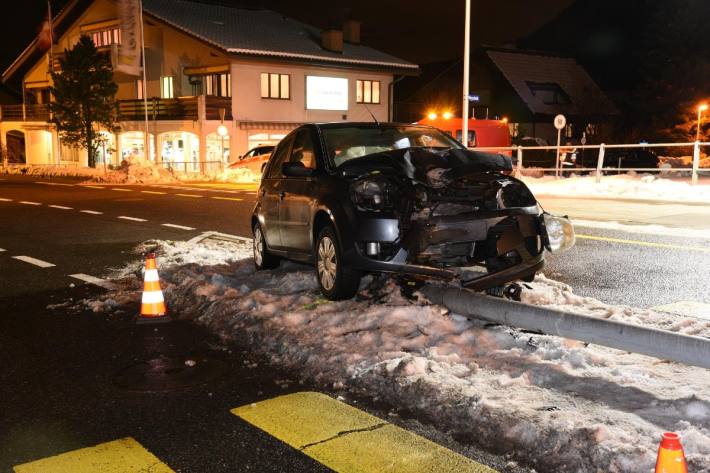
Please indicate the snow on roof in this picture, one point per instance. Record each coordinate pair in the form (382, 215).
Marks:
(263, 33)
(529, 72)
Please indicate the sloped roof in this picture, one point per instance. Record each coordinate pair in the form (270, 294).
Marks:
(520, 68)
(257, 32)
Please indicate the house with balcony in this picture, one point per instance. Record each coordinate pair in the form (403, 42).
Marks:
(255, 71)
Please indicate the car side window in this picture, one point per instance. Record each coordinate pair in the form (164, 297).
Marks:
(279, 156)
(303, 150)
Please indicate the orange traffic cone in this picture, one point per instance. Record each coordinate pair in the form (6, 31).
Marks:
(671, 458)
(152, 304)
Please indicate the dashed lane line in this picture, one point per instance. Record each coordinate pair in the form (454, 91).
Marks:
(118, 456)
(133, 219)
(26, 202)
(227, 198)
(92, 212)
(3, 199)
(61, 207)
(55, 184)
(121, 190)
(94, 280)
(189, 195)
(94, 187)
(180, 227)
(347, 439)
(154, 192)
(34, 261)
(703, 249)
(2, 249)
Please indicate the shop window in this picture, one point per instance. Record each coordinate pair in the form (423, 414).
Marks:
(166, 87)
(275, 86)
(367, 91)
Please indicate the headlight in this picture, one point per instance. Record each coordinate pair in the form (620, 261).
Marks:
(370, 194)
(559, 233)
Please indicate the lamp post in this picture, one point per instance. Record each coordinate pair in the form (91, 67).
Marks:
(466, 54)
(701, 108)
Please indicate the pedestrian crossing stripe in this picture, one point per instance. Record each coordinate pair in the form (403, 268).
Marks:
(349, 440)
(688, 308)
(119, 456)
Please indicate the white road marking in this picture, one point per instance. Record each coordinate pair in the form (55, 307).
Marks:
(188, 195)
(694, 309)
(134, 219)
(34, 261)
(61, 207)
(92, 212)
(154, 192)
(29, 203)
(95, 187)
(94, 280)
(181, 227)
(3, 199)
(54, 184)
(121, 190)
(2, 249)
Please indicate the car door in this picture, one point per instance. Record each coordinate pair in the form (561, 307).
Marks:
(270, 194)
(298, 196)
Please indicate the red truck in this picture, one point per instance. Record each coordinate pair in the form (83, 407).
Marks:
(481, 133)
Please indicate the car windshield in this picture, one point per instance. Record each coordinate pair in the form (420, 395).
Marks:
(346, 143)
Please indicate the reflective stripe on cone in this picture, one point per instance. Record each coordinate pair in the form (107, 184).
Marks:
(152, 302)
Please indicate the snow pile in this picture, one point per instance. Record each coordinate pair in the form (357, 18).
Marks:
(553, 403)
(55, 171)
(628, 186)
(238, 175)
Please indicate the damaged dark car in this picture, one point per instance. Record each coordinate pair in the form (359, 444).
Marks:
(353, 198)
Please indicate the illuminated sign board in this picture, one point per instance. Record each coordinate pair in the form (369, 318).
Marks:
(326, 93)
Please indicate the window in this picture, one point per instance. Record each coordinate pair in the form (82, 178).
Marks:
(550, 93)
(303, 151)
(218, 84)
(107, 37)
(367, 91)
(139, 89)
(278, 158)
(166, 87)
(275, 86)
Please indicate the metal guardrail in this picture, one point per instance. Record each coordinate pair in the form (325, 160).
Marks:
(600, 169)
(686, 349)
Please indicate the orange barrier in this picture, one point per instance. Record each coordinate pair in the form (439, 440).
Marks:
(671, 458)
(152, 303)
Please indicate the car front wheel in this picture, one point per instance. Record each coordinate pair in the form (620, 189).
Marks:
(262, 258)
(336, 281)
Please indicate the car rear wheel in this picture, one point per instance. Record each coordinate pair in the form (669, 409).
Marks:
(262, 258)
(336, 281)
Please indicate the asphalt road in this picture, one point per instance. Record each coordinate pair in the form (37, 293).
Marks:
(74, 380)
(59, 370)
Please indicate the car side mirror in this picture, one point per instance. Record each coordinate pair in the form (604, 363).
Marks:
(296, 169)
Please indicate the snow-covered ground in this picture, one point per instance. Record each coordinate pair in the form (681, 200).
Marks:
(134, 171)
(552, 403)
(627, 186)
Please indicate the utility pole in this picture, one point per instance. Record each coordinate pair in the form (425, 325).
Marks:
(466, 54)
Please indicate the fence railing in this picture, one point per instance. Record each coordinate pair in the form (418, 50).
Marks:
(181, 108)
(25, 112)
(560, 165)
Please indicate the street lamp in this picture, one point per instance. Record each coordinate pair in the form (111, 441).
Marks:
(701, 108)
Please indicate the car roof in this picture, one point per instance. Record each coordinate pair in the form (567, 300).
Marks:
(330, 125)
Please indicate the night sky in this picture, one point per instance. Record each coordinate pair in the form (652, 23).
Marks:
(411, 29)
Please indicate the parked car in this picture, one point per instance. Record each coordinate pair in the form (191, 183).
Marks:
(352, 198)
(255, 159)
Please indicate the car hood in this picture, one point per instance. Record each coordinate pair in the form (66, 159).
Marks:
(420, 164)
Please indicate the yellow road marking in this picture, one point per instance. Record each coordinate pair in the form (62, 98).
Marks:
(189, 195)
(227, 185)
(95, 187)
(227, 198)
(349, 440)
(121, 190)
(153, 192)
(645, 243)
(119, 456)
(688, 308)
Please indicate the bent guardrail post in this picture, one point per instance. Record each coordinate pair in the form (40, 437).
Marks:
(696, 162)
(600, 163)
(685, 349)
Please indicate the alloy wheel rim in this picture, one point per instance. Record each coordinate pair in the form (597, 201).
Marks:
(258, 247)
(327, 263)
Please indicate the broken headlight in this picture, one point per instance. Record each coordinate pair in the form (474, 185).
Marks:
(558, 233)
(370, 194)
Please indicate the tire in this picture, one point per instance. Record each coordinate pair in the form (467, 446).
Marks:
(336, 281)
(262, 258)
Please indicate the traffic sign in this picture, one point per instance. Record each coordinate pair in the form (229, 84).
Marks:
(560, 121)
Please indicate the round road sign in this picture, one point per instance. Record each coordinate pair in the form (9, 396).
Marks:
(560, 122)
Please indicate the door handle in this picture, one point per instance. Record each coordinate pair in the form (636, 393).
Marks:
(282, 194)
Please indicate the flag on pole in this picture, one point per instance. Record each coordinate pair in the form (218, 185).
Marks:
(128, 58)
(45, 32)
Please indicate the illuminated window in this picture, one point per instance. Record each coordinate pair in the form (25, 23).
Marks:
(166, 87)
(139, 89)
(219, 85)
(275, 86)
(104, 38)
(367, 91)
